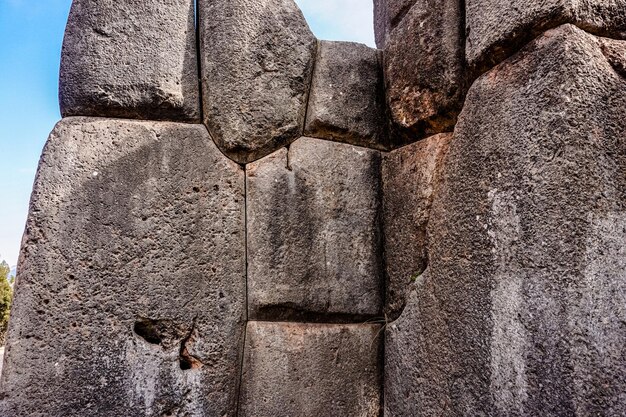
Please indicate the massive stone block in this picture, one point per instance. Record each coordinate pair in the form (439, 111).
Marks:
(132, 59)
(131, 294)
(314, 249)
(347, 101)
(498, 28)
(410, 178)
(424, 69)
(387, 15)
(293, 370)
(257, 60)
(521, 310)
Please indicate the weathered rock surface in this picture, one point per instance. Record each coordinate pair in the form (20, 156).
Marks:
(423, 64)
(498, 28)
(387, 15)
(410, 178)
(347, 101)
(293, 370)
(130, 58)
(314, 244)
(131, 294)
(257, 60)
(521, 311)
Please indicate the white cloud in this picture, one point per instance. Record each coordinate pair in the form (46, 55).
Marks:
(349, 20)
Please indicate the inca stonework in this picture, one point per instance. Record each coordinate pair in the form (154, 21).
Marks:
(237, 219)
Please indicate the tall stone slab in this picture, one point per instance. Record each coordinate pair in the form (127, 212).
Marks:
(257, 60)
(387, 15)
(424, 70)
(498, 28)
(130, 299)
(521, 310)
(347, 99)
(410, 177)
(132, 59)
(314, 233)
(301, 370)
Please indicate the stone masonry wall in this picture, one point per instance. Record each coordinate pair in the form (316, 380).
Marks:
(234, 218)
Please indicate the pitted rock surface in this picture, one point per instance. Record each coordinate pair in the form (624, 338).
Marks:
(132, 59)
(521, 310)
(410, 178)
(424, 70)
(347, 100)
(387, 15)
(257, 60)
(131, 294)
(293, 370)
(498, 28)
(314, 244)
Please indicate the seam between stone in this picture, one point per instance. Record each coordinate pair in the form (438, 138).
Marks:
(383, 276)
(242, 357)
(318, 46)
(245, 238)
(245, 327)
(199, 60)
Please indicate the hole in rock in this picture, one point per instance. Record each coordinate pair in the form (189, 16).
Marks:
(148, 330)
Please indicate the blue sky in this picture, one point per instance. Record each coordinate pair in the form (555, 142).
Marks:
(31, 34)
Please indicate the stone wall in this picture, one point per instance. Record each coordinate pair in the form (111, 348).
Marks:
(235, 218)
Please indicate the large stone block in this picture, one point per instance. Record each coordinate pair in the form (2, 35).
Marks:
(347, 101)
(410, 178)
(424, 69)
(498, 28)
(293, 370)
(257, 60)
(522, 308)
(132, 59)
(131, 294)
(314, 244)
(387, 15)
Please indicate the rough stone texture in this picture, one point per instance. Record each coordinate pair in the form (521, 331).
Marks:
(257, 60)
(314, 245)
(130, 58)
(522, 309)
(347, 101)
(387, 15)
(423, 65)
(410, 178)
(497, 28)
(293, 370)
(131, 294)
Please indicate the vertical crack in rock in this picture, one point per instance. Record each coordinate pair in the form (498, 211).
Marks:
(316, 56)
(186, 359)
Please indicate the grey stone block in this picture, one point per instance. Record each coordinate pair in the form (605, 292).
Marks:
(314, 244)
(387, 15)
(410, 178)
(293, 370)
(498, 28)
(521, 309)
(130, 58)
(131, 294)
(424, 70)
(347, 100)
(257, 60)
